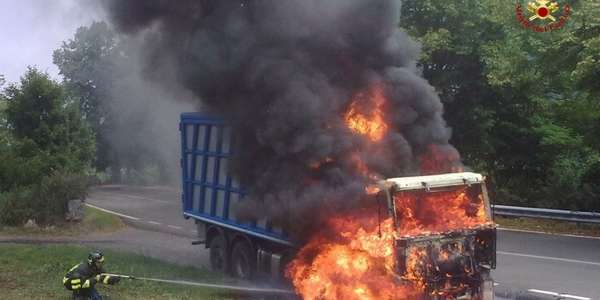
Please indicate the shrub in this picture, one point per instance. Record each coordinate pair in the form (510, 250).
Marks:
(591, 186)
(19, 169)
(17, 206)
(45, 202)
(55, 191)
(572, 183)
(46, 146)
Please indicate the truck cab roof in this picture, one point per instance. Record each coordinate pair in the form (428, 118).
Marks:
(433, 181)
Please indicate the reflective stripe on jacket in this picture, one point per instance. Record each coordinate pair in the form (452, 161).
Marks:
(81, 276)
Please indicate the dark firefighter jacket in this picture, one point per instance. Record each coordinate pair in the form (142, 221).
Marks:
(82, 276)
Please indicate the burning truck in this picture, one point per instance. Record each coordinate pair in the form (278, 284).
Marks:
(330, 164)
(420, 237)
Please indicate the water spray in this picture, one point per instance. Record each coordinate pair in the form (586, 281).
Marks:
(236, 288)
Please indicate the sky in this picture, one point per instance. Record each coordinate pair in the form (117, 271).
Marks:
(30, 30)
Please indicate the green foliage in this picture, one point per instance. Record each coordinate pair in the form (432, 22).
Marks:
(524, 105)
(590, 188)
(549, 226)
(34, 109)
(47, 147)
(99, 75)
(39, 116)
(55, 191)
(452, 33)
(21, 169)
(44, 202)
(565, 181)
(87, 63)
(17, 206)
(94, 221)
(5, 140)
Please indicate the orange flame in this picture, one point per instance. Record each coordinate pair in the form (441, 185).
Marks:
(355, 256)
(356, 264)
(372, 189)
(365, 120)
(439, 212)
(359, 262)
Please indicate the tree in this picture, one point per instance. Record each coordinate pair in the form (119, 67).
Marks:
(523, 105)
(453, 35)
(100, 74)
(43, 122)
(555, 73)
(46, 148)
(87, 65)
(4, 138)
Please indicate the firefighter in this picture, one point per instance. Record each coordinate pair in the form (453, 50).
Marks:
(82, 278)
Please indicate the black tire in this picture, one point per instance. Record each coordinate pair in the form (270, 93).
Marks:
(243, 261)
(218, 254)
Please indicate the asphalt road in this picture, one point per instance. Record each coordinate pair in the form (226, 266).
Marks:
(563, 264)
(529, 265)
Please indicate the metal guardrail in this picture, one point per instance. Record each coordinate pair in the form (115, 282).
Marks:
(545, 213)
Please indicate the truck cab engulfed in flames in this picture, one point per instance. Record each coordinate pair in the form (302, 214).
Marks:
(446, 239)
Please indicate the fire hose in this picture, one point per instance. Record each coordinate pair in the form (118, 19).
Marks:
(237, 288)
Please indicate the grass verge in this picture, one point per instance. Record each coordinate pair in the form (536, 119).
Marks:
(95, 221)
(549, 226)
(36, 272)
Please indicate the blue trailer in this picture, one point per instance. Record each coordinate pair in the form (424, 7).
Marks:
(210, 196)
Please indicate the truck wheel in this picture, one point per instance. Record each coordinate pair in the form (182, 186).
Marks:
(243, 261)
(217, 253)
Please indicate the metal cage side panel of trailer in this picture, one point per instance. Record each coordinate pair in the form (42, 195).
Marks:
(210, 193)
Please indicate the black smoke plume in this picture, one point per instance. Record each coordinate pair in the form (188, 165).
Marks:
(283, 73)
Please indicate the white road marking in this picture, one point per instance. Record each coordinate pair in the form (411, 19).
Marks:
(550, 258)
(575, 297)
(543, 292)
(558, 295)
(112, 212)
(133, 218)
(549, 233)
